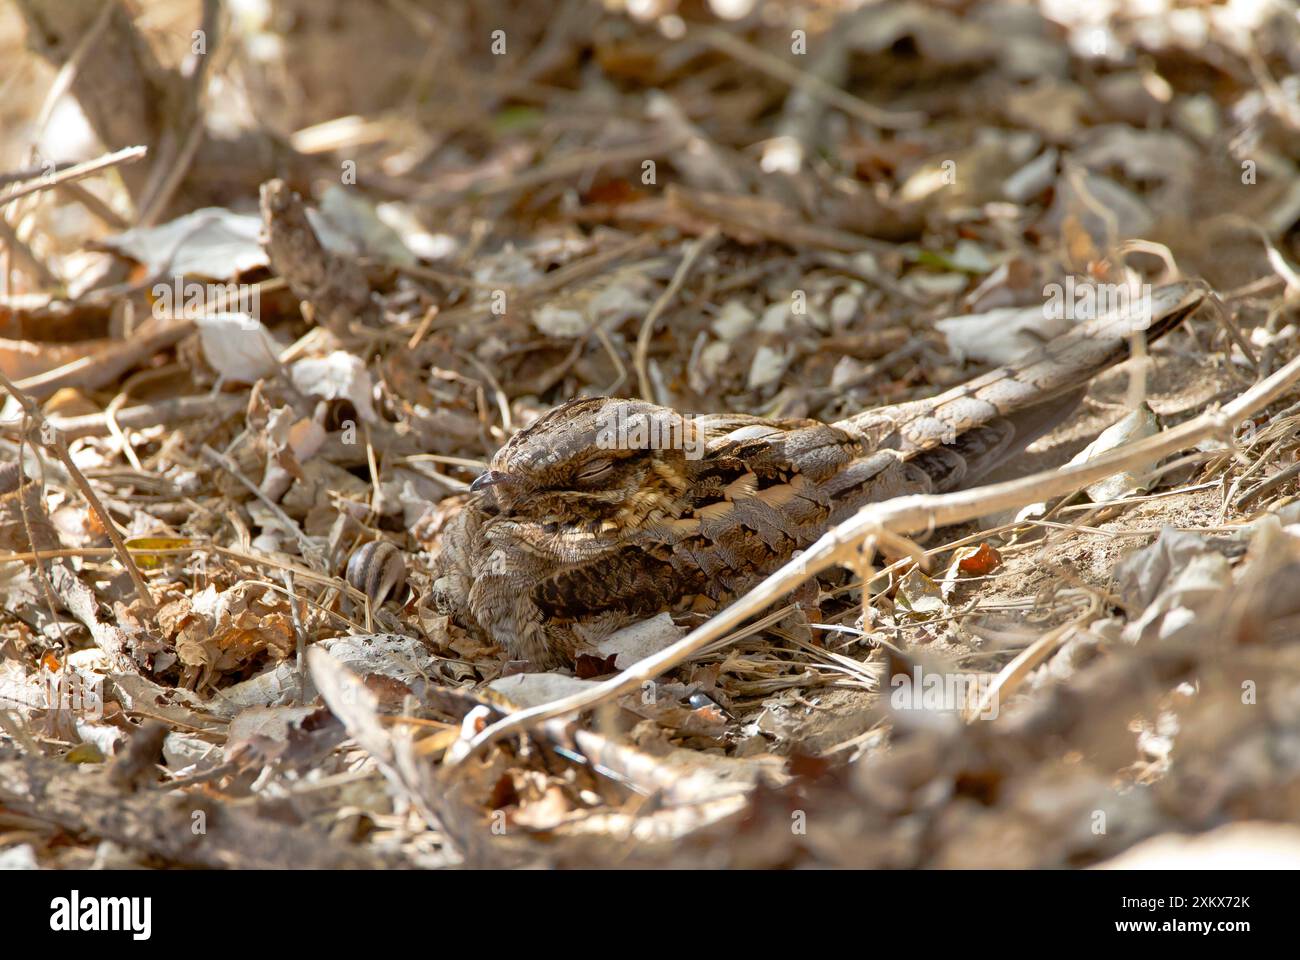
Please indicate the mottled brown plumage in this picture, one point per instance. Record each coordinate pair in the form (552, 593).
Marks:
(607, 511)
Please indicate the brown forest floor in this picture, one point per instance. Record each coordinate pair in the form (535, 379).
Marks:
(452, 216)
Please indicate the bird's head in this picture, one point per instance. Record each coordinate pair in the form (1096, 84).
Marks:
(593, 458)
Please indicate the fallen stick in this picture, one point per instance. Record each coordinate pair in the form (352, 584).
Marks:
(693, 253)
(888, 522)
(159, 414)
(809, 83)
(100, 369)
(77, 172)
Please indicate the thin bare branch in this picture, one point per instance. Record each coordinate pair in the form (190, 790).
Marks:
(78, 172)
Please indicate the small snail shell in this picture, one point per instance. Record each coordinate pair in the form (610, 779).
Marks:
(377, 569)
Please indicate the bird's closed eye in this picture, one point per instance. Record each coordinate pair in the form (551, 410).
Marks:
(595, 468)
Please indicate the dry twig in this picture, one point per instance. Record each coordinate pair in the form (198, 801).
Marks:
(78, 172)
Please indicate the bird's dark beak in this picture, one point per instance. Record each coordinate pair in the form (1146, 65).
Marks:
(489, 479)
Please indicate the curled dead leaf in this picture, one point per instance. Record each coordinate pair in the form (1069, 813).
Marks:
(978, 561)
